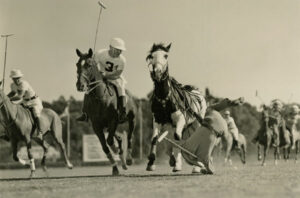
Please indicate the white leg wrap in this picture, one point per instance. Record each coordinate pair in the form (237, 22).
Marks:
(32, 165)
(23, 162)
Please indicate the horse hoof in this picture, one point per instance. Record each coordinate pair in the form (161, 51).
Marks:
(259, 158)
(176, 169)
(115, 171)
(70, 166)
(32, 174)
(196, 170)
(124, 167)
(172, 161)
(150, 168)
(129, 162)
(151, 157)
(45, 168)
(206, 172)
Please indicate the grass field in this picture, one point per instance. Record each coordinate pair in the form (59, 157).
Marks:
(251, 180)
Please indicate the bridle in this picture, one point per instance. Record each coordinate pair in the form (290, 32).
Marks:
(87, 79)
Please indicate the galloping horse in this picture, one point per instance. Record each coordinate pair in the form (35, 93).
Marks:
(266, 136)
(101, 108)
(19, 126)
(227, 140)
(173, 104)
(287, 151)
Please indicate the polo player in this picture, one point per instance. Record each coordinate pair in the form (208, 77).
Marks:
(291, 122)
(22, 91)
(111, 63)
(276, 107)
(232, 128)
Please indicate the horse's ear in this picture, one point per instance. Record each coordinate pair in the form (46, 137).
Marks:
(78, 53)
(90, 54)
(153, 46)
(168, 47)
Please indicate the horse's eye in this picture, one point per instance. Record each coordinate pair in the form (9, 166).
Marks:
(166, 56)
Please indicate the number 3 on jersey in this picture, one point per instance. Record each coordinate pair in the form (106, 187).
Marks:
(110, 66)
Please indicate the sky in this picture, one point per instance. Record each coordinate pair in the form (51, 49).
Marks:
(234, 47)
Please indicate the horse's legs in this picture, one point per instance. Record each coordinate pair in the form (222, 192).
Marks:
(266, 150)
(179, 120)
(121, 152)
(296, 151)
(258, 152)
(30, 157)
(228, 140)
(178, 159)
(276, 155)
(14, 146)
(111, 134)
(131, 123)
(152, 155)
(57, 135)
(101, 137)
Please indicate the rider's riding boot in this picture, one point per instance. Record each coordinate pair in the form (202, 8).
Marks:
(83, 117)
(122, 108)
(39, 129)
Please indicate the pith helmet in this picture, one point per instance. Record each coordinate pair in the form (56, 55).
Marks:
(118, 43)
(16, 73)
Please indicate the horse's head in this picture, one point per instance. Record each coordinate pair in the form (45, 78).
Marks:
(158, 61)
(84, 65)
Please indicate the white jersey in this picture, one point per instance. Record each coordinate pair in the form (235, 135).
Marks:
(109, 65)
(23, 86)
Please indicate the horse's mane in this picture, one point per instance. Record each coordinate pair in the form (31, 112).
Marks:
(184, 96)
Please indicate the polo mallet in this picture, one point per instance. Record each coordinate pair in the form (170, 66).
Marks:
(104, 7)
(163, 136)
(256, 94)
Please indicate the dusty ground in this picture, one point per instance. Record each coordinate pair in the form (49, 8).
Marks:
(250, 180)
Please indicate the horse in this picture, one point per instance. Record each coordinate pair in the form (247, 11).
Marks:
(172, 105)
(296, 139)
(19, 126)
(266, 136)
(101, 108)
(230, 145)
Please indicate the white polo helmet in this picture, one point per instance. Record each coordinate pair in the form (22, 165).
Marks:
(227, 112)
(16, 73)
(295, 109)
(118, 43)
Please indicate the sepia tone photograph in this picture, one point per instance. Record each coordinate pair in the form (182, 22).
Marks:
(149, 98)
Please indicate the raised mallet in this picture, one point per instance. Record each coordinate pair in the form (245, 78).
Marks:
(101, 6)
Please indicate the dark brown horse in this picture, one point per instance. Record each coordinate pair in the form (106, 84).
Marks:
(101, 108)
(19, 126)
(267, 137)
